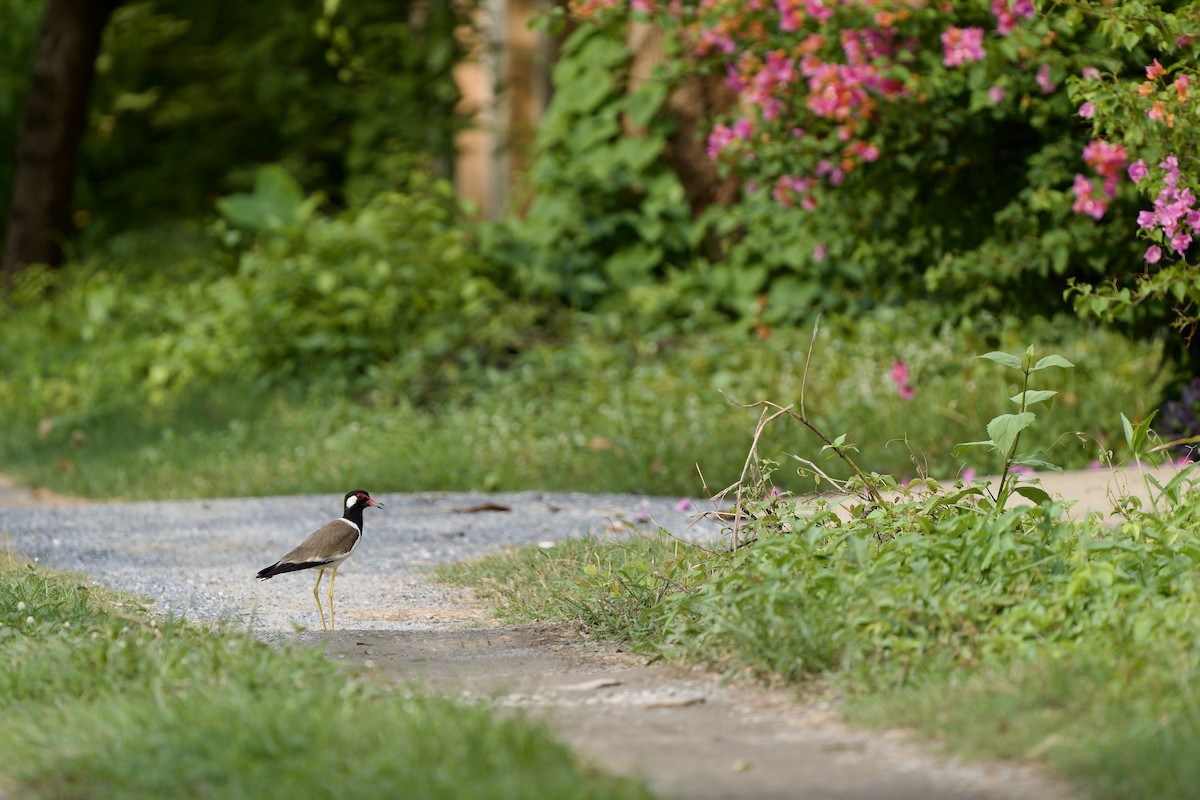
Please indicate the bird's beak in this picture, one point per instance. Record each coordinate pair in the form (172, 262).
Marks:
(371, 501)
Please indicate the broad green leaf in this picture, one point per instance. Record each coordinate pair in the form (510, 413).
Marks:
(1051, 361)
(1127, 426)
(1028, 398)
(1035, 493)
(1005, 428)
(1006, 359)
(962, 448)
(1039, 460)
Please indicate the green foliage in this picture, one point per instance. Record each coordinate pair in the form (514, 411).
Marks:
(100, 700)
(395, 284)
(190, 98)
(598, 406)
(607, 218)
(18, 48)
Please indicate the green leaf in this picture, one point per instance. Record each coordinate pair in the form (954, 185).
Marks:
(962, 448)
(1039, 460)
(1005, 428)
(1035, 493)
(1051, 361)
(1005, 359)
(276, 203)
(1028, 398)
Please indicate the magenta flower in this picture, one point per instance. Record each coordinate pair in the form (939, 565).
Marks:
(961, 45)
(1153, 254)
(819, 253)
(1087, 110)
(1043, 79)
(1006, 16)
(1138, 170)
(1091, 73)
(718, 140)
(968, 473)
(1085, 200)
(1020, 469)
(684, 505)
(997, 94)
(899, 374)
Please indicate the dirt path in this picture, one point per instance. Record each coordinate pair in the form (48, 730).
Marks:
(687, 734)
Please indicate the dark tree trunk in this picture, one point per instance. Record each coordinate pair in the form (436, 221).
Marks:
(51, 128)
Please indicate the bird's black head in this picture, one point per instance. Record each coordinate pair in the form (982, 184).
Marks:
(359, 499)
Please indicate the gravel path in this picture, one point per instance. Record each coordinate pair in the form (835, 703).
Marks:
(199, 557)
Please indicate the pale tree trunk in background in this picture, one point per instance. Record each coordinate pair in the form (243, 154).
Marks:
(51, 127)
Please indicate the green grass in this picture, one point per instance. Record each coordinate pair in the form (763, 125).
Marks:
(100, 700)
(600, 411)
(1022, 634)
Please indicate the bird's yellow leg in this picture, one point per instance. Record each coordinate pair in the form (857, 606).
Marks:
(317, 597)
(332, 578)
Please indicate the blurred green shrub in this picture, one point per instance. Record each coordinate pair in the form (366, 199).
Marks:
(326, 301)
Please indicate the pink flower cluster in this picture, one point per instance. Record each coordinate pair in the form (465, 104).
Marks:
(1108, 160)
(1007, 13)
(961, 45)
(723, 136)
(1174, 213)
(900, 378)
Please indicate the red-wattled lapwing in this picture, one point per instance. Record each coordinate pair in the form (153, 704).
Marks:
(327, 548)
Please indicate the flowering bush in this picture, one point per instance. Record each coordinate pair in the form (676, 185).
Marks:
(1149, 112)
(975, 151)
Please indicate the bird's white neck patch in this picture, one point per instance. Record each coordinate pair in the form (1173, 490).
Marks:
(351, 501)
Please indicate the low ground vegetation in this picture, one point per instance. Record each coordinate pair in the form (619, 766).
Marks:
(102, 700)
(1008, 630)
(280, 359)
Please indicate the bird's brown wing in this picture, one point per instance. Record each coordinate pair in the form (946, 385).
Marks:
(331, 542)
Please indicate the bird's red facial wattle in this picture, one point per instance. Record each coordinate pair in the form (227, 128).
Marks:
(370, 501)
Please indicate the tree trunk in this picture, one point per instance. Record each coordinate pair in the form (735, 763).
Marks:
(51, 127)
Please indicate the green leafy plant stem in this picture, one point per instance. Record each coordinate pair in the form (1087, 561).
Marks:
(1005, 487)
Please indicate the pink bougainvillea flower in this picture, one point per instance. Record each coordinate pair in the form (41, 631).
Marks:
(1180, 242)
(819, 253)
(961, 45)
(1181, 86)
(1087, 110)
(1043, 79)
(684, 505)
(968, 473)
(1091, 74)
(718, 140)
(1153, 254)
(997, 94)
(899, 374)
(1146, 219)
(1138, 170)
(1085, 200)
(1020, 469)
(1155, 69)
